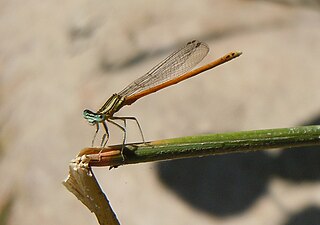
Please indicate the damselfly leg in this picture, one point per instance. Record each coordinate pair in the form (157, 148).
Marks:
(105, 136)
(134, 119)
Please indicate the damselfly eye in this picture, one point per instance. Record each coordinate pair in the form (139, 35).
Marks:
(87, 113)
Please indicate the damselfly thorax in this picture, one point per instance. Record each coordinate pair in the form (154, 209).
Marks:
(105, 113)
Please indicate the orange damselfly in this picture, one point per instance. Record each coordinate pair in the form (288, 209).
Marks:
(173, 69)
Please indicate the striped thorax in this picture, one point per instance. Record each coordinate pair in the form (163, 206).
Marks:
(112, 105)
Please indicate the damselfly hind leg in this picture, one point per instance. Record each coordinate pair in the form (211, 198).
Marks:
(137, 122)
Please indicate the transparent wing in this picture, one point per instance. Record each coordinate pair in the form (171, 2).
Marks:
(174, 65)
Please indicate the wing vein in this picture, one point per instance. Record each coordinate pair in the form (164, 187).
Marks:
(175, 65)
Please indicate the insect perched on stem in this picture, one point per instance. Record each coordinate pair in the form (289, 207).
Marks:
(173, 69)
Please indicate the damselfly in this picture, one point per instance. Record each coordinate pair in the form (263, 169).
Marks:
(171, 70)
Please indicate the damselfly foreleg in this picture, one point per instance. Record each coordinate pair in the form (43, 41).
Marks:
(95, 134)
(105, 136)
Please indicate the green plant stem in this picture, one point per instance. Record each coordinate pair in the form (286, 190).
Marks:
(197, 146)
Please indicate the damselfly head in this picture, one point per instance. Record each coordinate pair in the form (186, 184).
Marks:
(93, 117)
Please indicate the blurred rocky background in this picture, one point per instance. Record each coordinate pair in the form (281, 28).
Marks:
(60, 57)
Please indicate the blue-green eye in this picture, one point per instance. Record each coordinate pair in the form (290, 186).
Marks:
(87, 113)
(93, 117)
